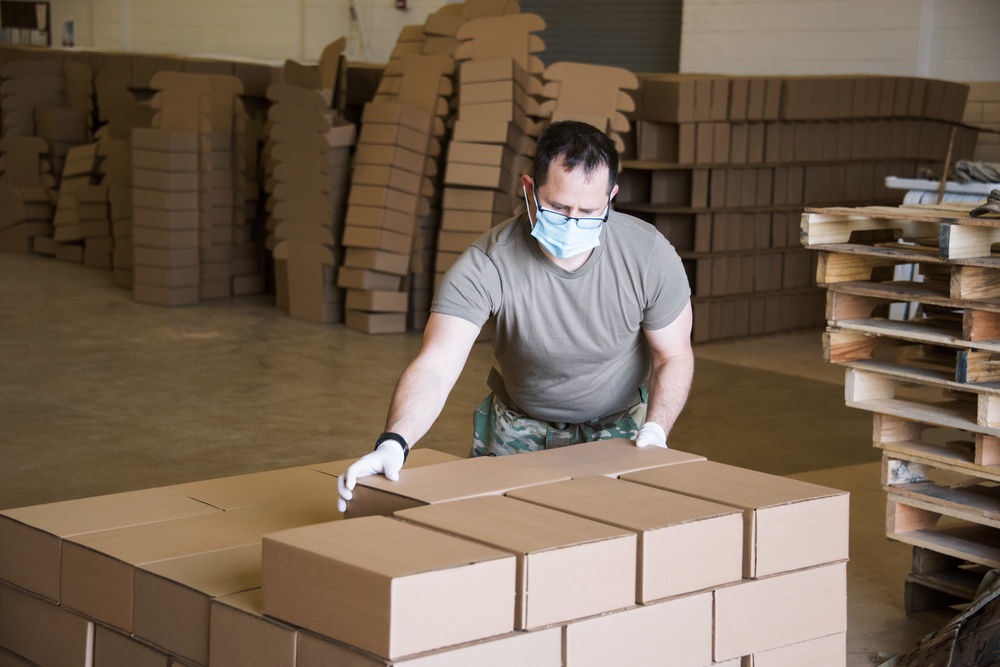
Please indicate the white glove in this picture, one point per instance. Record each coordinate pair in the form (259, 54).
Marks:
(386, 459)
(651, 434)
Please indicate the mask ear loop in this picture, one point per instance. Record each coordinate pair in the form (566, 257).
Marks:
(524, 191)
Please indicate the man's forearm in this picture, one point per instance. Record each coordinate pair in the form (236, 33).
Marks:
(417, 401)
(669, 386)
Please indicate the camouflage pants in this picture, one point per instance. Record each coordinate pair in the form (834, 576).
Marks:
(499, 429)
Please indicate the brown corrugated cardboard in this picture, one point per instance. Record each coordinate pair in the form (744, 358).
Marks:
(685, 544)
(603, 457)
(421, 456)
(164, 258)
(542, 648)
(374, 301)
(164, 140)
(43, 632)
(377, 239)
(173, 597)
(350, 278)
(31, 537)
(676, 632)
(390, 587)
(557, 555)
(375, 323)
(762, 614)
(98, 568)
(392, 155)
(777, 512)
(375, 260)
(228, 493)
(114, 649)
(830, 650)
(241, 635)
(454, 480)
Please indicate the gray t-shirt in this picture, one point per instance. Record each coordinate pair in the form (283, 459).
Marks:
(569, 345)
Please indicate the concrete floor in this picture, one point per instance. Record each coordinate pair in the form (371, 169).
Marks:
(99, 394)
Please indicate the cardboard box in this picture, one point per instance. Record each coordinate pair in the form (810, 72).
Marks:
(378, 261)
(375, 323)
(762, 614)
(611, 458)
(542, 648)
(373, 301)
(392, 155)
(241, 635)
(43, 632)
(462, 199)
(229, 493)
(685, 544)
(165, 140)
(830, 650)
(675, 632)
(377, 239)
(777, 511)
(98, 568)
(114, 649)
(161, 257)
(388, 587)
(31, 537)
(363, 279)
(173, 597)
(557, 555)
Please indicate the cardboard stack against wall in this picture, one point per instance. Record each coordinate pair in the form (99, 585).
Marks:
(27, 190)
(390, 204)
(95, 224)
(593, 94)
(24, 85)
(494, 130)
(68, 124)
(81, 170)
(308, 166)
(723, 165)
(166, 215)
(117, 180)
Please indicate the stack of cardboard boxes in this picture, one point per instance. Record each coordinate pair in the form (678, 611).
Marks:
(723, 166)
(308, 162)
(81, 171)
(390, 193)
(485, 561)
(25, 85)
(27, 192)
(98, 242)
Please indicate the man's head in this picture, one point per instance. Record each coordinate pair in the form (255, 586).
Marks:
(580, 145)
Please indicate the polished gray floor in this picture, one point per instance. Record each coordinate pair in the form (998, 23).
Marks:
(99, 394)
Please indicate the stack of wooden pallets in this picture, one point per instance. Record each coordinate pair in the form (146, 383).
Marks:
(923, 355)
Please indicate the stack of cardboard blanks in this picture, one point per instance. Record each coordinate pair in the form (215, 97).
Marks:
(308, 168)
(68, 124)
(95, 225)
(441, 27)
(425, 83)
(25, 84)
(225, 236)
(28, 196)
(388, 195)
(494, 132)
(249, 255)
(592, 94)
(81, 170)
(117, 179)
(166, 215)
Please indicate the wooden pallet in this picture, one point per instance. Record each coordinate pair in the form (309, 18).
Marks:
(923, 396)
(913, 443)
(915, 348)
(913, 292)
(953, 281)
(926, 527)
(957, 235)
(938, 581)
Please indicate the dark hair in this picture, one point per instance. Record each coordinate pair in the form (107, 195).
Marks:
(580, 145)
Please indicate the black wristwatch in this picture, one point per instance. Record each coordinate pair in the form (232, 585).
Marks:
(395, 437)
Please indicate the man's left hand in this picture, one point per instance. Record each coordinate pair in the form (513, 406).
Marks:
(651, 434)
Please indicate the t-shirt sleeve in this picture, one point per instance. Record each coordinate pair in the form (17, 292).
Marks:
(470, 289)
(667, 287)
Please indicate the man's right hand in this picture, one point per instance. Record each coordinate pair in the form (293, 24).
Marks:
(387, 460)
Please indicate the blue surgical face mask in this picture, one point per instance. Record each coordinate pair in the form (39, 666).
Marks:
(563, 236)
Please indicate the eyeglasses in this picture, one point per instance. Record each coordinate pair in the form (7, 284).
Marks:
(560, 219)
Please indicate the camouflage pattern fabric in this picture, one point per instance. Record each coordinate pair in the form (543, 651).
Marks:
(499, 429)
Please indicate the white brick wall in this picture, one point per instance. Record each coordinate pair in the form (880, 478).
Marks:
(947, 39)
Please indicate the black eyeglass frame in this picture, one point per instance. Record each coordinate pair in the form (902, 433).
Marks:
(560, 219)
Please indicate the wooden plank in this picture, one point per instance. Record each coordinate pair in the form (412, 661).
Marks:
(911, 292)
(957, 212)
(971, 543)
(917, 251)
(978, 366)
(964, 240)
(834, 267)
(825, 228)
(845, 306)
(923, 376)
(968, 504)
(953, 459)
(915, 332)
(978, 325)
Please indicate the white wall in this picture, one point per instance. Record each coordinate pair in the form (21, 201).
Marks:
(947, 39)
(270, 30)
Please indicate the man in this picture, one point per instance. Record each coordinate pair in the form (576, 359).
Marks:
(588, 306)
